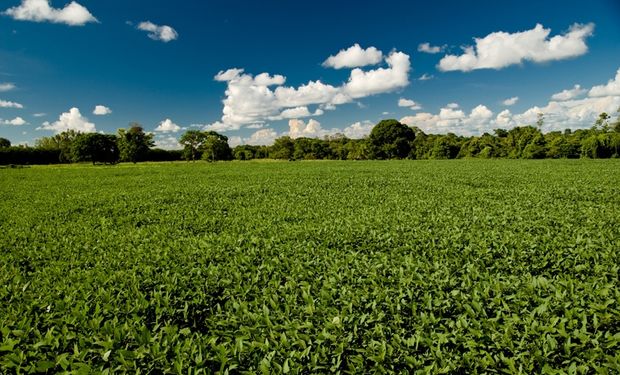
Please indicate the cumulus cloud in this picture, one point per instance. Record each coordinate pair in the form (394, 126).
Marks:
(565, 110)
(39, 114)
(358, 130)
(452, 119)
(167, 126)
(7, 104)
(17, 121)
(264, 97)
(511, 101)
(73, 14)
(612, 88)
(409, 104)
(501, 49)
(167, 142)
(427, 48)
(72, 120)
(101, 110)
(569, 94)
(162, 33)
(426, 77)
(365, 83)
(353, 57)
(311, 129)
(7, 86)
(262, 137)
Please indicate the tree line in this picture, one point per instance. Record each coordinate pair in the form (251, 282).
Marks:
(389, 139)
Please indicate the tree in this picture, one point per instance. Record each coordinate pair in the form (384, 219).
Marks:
(95, 147)
(4, 143)
(282, 148)
(191, 141)
(602, 123)
(134, 143)
(390, 139)
(207, 145)
(215, 147)
(540, 120)
(61, 142)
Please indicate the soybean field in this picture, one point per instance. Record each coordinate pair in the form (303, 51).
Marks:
(421, 267)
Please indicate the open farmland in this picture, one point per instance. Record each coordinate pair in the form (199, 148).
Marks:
(468, 266)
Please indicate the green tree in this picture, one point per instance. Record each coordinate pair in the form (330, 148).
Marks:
(390, 139)
(96, 148)
(282, 148)
(134, 143)
(61, 142)
(192, 142)
(4, 143)
(206, 145)
(215, 147)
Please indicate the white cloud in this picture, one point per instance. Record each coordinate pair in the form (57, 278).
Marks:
(7, 104)
(504, 119)
(252, 99)
(358, 130)
(612, 88)
(501, 49)
(569, 94)
(73, 14)
(17, 121)
(299, 129)
(365, 83)
(409, 104)
(570, 112)
(101, 110)
(220, 127)
(354, 57)
(296, 112)
(511, 101)
(156, 32)
(167, 126)
(235, 141)
(167, 143)
(427, 48)
(451, 119)
(39, 114)
(262, 137)
(72, 120)
(426, 77)
(4, 87)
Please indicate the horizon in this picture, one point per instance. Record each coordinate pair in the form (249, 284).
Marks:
(255, 72)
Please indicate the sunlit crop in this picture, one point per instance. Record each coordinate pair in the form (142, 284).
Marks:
(422, 267)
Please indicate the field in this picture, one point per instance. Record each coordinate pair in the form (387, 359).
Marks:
(466, 266)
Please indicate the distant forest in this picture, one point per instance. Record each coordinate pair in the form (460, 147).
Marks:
(389, 139)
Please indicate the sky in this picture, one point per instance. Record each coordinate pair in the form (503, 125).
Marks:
(257, 70)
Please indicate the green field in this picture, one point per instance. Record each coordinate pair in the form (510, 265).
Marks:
(467, 266)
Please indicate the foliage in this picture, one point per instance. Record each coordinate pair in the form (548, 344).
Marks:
(4, 143)
(134, 143)
(61, 142)
(215, 147)
(206, 145)
(282, 148)
(95, 147)
(471, 266)
(18, 155)
(390, 139)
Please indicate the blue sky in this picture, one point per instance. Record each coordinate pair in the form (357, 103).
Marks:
(156, 62)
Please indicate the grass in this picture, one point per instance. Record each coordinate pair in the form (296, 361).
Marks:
(467, 266)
